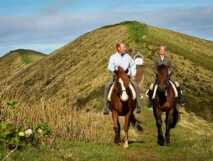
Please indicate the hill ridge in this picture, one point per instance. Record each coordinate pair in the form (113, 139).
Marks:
(76, 73)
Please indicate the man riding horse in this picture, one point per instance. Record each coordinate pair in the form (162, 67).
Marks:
(162, 59)
(121, 59)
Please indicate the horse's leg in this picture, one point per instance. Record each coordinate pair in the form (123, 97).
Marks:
(168, 122)
(158, 119)
(135, 123)
(126, 128)
(116, 127)
(119, 130)
(172, 117)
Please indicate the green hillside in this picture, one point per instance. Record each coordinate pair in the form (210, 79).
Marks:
(84, 136)
(76, 73)
(64, 90)
(15, 60)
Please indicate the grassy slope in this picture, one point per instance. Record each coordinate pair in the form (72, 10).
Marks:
(72, 71)
(14, 61)
(191, 140)
(191, 58)
(76, 73)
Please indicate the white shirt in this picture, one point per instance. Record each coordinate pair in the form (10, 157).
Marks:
(162, 57)
(124, 61)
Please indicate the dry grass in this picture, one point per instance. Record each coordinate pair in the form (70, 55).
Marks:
(15, 61)
(64, 122)
(192, 137)
(76, 73)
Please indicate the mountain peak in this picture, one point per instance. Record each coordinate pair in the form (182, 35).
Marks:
(77, 73)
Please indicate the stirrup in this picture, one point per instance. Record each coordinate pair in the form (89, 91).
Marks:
(138, 110)
(106, 111)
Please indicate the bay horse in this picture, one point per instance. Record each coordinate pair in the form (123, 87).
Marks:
(164, 101)
(123, 103)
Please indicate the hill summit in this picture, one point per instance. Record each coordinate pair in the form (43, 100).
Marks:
(76, 73)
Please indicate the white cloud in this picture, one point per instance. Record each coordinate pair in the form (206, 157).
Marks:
(58, 28)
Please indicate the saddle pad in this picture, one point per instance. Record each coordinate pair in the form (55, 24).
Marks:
(173, 86)
(131, 88)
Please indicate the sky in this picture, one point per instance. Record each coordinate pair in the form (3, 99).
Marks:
(45, 25)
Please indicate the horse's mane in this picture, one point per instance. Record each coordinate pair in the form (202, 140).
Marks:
(162, 67)
(120, 70)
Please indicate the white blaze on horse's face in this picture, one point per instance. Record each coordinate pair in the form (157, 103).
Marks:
(124, 96)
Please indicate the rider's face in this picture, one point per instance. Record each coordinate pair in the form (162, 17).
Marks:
(122, 48)
(162, 50)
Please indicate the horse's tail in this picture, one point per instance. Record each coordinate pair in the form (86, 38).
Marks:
(175, 118)
(135, 123)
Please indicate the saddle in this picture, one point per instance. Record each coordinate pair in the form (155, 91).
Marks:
(131, 87)
(174, 87)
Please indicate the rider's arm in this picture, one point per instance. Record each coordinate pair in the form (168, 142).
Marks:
(171, 66)
(111, 65)
(132, 68)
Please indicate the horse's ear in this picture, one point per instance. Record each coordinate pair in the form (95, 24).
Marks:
(119, 68)
(116, 71)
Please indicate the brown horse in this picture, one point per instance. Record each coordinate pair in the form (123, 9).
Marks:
(123, 103)
(164, 101)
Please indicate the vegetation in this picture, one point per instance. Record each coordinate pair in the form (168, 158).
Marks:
(191, 57)
(76, 73)
(60, 98)
(16, 60)
(88, 136)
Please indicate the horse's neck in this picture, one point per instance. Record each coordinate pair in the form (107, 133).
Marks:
(117, 88)
(171, 90)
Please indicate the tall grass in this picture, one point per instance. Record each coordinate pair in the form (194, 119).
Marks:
(187, 140)
(63, 121)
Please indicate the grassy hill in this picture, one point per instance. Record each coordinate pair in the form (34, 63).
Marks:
(76, 73)
(83, 136)
(15, 60)
(73, 78)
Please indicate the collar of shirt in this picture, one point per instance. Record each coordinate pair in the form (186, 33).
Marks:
(120, 54)
(162, 57)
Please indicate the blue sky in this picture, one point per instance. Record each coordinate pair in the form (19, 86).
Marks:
(46, 25)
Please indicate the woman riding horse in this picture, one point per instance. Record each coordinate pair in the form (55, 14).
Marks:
(164, 100)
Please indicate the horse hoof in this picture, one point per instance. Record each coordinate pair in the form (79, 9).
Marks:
(117, 141)
(167, 143)
(126, 145)
(161, 142)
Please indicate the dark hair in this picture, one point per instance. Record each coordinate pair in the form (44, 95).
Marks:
(117, 45)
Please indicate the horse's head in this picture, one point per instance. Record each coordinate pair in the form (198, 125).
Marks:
(162, 77)
(123, 80)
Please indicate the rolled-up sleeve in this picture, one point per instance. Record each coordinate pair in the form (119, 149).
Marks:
(132, 67)
(111, 65)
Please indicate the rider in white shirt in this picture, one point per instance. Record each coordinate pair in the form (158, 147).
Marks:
(124, 61)
(121, 58)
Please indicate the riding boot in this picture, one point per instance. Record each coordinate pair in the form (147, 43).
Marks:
(138, 104)
(138, 108)
(181, 100)
(149, 94)
(106, 108)
(150, 103)
(107, 103)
